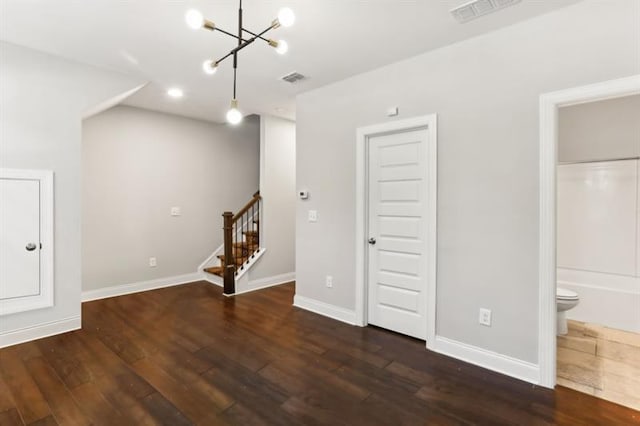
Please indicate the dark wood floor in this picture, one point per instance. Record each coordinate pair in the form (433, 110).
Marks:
(187, 355)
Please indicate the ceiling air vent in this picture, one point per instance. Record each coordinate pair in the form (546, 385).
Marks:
(293, 77)
(476, 8)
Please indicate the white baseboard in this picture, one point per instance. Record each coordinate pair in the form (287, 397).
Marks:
(271, 281)
(263, 283)
(331, 311)
(121, 290)
(40, 331)
(487, 359)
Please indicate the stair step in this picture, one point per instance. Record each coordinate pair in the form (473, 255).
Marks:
(239, 259)
(246, 246)
(215, 270)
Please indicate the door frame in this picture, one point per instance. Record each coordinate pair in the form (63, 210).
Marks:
(363, 134)
(45, 298)
(549, 105)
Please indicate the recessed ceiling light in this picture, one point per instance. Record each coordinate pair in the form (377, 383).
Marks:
(175, 92)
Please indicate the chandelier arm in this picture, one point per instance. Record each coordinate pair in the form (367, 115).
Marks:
(243, 44)
(229, 34)
(255, 35)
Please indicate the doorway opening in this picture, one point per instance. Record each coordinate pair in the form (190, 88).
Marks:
(598, 246)
(554, 244)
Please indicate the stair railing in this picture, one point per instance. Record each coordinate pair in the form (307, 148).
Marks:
(243, 225)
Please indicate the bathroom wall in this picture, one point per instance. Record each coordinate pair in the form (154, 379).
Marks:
(599, 241)
(603, 130)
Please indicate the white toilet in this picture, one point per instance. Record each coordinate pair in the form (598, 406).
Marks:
(565, 300)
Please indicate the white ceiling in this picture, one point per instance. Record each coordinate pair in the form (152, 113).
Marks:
(331, 40)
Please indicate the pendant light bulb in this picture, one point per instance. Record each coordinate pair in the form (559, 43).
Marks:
(234, 116)
(209, 67)
(194, 19)
(283, 47)
(286, 17)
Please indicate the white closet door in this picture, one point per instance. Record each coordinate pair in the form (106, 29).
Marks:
(19, 238)
(398, 218)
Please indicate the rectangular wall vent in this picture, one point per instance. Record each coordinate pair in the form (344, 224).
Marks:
(476, 8)
(293, 77)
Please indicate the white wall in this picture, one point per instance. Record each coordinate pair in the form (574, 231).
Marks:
(485, 91)
(42, 100)
(278, 190)
(599, 241)
(603, 130)
(136, 165)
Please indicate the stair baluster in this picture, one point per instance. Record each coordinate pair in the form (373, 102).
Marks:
(244, 225)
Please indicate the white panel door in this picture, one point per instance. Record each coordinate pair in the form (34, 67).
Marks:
(397, 215)
(597, 216)
(19, 238)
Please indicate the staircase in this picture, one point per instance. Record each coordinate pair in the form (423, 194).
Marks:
(241, 243)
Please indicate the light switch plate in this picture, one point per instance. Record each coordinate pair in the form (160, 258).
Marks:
(313, 215)
(176, 211)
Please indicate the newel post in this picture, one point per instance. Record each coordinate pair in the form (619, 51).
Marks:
(229, 261)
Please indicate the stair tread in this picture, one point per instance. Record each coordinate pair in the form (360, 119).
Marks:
(245, 245)
(215, 270)
(239, 259)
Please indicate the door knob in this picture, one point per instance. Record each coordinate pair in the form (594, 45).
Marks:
(31, 247)
(372, 241)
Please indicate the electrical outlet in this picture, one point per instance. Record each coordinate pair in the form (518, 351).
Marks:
(153, 262)
(313, 215)
(485, 317)
(329, 281)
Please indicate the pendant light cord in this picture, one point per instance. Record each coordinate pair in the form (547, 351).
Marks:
(234, 82)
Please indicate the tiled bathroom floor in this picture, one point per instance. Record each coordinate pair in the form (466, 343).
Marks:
(600, 361)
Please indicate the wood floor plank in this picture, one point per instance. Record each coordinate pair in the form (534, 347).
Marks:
(188, 355)
(62, 404)
(165, 412)
(60, 355)
(47, 421)
(6, 400)
(191, 404)
(95, 405)
(30, 402)
(10, 417)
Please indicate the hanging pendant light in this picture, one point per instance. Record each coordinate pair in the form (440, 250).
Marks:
(234, 116)
(244, 37)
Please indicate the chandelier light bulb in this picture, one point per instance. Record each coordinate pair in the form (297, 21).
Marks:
(282, 47)
(194, 19)
(286, 17)
(209, 67)
(234, 116)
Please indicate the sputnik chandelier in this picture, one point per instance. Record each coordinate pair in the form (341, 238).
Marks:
(196, 20)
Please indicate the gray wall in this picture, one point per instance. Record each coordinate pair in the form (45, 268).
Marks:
(602, 130)
(136, 165)
(278, 189)
(42, 100)
(486, 94)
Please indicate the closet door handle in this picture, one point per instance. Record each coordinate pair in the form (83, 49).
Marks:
(30, 247)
